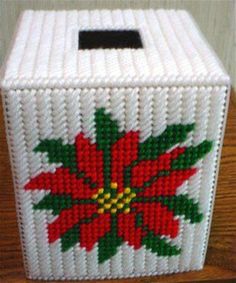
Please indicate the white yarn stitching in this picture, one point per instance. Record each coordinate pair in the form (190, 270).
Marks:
(146, 97)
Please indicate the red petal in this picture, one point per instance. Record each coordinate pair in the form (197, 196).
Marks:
(68, 218)
(158, 219)
(167, 185)
(127, 230)
(124, 151)
(147, 169)
(91, 232)
(89, 160)
(61, 182)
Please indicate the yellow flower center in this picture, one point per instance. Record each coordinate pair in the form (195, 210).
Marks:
(114, 202)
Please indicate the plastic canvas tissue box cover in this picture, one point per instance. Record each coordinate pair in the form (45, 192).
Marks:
(114, 121)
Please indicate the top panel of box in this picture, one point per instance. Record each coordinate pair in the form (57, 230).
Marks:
(110, 48)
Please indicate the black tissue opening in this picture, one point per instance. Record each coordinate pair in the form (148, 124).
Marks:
(104, 39)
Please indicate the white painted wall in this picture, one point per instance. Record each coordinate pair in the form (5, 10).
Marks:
(216, 19)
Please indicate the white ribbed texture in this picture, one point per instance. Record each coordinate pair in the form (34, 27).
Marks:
(46, 52)
(52, 90)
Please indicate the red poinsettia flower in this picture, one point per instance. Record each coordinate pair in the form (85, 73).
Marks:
(110, 191)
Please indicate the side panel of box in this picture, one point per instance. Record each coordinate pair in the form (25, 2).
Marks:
(33, 116)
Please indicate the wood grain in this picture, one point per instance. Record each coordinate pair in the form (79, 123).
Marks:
(221, 254)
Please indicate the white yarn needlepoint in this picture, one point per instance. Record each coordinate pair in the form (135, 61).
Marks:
(115, 122)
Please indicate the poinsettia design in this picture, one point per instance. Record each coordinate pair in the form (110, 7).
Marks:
(118, 189)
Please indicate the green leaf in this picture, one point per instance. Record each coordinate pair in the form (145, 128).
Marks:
(58, 152)
(70, 238)
(107, 246)
(138, 219)
(107, 130)
(159, 245)
(107, 133)
(56, 203)
(154, 146)
(182, 205)
(191, 155)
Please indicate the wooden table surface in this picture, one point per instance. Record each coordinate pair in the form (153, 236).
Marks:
(221, 255)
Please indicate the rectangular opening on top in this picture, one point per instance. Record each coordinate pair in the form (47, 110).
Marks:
(108, 39)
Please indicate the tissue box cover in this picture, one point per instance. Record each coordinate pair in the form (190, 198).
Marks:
(114, 122)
